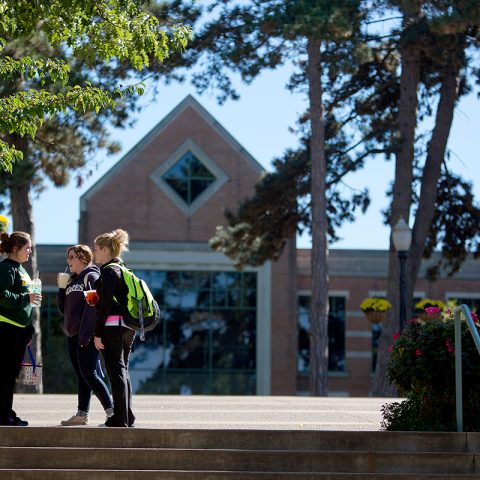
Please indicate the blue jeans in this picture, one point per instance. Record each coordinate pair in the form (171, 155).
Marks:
(84, 361)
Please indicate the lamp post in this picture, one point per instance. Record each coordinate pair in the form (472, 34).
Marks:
(402, 239)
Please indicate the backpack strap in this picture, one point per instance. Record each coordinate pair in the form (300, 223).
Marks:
(122, 268)
(85, 281)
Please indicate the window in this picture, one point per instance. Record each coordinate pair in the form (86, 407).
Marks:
(58, 375)
(336, 334)
(463, 299)
(206, 340)
(189, 177)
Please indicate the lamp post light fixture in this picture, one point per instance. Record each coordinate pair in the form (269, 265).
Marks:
(402, 239)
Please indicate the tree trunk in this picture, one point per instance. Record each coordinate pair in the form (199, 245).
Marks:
(401, 203)
(431, 172)
(319, 300)
(22, 217)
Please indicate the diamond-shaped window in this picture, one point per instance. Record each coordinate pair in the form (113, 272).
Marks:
(189, 177)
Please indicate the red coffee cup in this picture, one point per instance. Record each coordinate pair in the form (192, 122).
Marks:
(91, 296)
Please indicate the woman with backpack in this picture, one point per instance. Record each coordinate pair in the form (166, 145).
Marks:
(78, 324)
(112, 337)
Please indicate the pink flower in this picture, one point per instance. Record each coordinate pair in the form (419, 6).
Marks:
(448, 345)
(396, 336)
(390, 348)
(432, 310)
(474, 317)
(418, 352)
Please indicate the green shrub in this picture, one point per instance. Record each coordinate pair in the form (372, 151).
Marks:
(422, 367)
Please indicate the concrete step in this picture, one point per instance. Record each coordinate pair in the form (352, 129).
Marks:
(52, 453)
(238, 460)
(291, 440)
(65, 474)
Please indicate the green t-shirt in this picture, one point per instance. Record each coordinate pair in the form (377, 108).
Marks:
(15, 283)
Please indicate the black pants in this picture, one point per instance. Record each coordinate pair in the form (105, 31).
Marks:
(84, 361)
(118, 344)
(13, 341)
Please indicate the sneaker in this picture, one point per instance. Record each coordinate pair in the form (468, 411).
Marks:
(75, 420)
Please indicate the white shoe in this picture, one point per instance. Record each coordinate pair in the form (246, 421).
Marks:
(75, 420)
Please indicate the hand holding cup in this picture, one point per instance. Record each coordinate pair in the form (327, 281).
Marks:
(91, 297)
(62, 279)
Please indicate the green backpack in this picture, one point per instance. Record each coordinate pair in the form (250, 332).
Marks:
(142, 312)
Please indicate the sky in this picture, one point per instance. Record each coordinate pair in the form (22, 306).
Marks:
(260, 121)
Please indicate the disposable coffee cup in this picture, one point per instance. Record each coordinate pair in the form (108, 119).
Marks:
(62, 279)
(91, 296)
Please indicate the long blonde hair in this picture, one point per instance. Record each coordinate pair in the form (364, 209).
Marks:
(116, 241)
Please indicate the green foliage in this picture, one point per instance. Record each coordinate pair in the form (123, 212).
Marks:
(280, 207)
(95, 29)
(53, 69)
(361, 101)
(9, 156)
(24, 112)
(92, 32)
(456, 207)
(422, 367)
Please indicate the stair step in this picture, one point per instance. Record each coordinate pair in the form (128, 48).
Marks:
(292, 440)
(239, 460)
(65, 474)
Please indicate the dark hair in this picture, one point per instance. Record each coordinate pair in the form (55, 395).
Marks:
(83, 252)
(14, 241)
(116, 241)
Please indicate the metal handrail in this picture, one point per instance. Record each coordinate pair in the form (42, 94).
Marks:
(458, 357)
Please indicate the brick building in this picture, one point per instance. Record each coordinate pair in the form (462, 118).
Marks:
(224, 331)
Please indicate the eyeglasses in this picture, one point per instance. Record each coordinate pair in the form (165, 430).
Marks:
(71, 257)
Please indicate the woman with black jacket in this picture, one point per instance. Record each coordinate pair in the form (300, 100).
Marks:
(112, 337)
(79, 326)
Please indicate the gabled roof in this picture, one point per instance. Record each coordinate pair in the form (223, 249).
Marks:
(188, 101)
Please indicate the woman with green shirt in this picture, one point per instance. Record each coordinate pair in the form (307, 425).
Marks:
(16, 329)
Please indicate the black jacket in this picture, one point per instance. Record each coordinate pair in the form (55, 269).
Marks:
(79, 318)
(109, 285)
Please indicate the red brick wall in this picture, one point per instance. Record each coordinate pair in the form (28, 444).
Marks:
(131, 200)
(357, 378)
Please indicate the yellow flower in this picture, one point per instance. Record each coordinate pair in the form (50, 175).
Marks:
(3, 223)
(375, 305)
(428, 302)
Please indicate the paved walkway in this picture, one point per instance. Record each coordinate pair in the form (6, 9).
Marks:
(265, 413)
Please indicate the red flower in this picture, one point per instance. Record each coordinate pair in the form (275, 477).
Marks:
(448, 345)
(474, 317)
(418, 352)
(396, 336)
